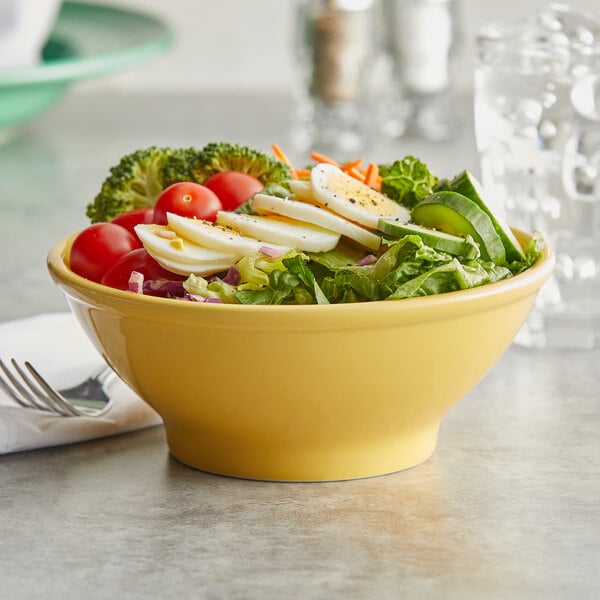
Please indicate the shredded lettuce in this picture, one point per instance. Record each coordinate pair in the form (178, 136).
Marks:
(263, 280)
(217, 289)
(404, 268)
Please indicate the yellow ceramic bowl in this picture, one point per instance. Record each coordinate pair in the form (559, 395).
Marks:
(302, 393)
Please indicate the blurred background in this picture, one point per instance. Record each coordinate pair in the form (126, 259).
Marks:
(246, 45)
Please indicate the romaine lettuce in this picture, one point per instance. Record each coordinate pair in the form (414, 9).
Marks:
(404, 268)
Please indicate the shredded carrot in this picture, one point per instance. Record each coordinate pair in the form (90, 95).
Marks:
(321, 158)
(372, 175)
(355, 164)
(354, 168)
(280, 155)
(278, 152)
(356, 174)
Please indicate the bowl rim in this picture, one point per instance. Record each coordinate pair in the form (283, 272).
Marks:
(496, 294)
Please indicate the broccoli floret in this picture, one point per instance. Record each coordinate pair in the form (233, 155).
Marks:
(182, 165)
(222, 156)
(140, 177)
(136, 182)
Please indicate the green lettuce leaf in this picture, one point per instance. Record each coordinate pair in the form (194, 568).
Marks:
(449, 277)
(216, 288)
(407, 181)
(283, 280)
(532, 253)
(404, 268)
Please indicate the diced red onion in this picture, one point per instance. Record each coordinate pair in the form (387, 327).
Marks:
(192, 297)
(196, 298)
(369, 259)
(136, 282)
(164, 288)
(233, 276)
(269, 252)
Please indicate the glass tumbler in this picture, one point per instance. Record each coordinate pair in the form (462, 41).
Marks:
(537, 124)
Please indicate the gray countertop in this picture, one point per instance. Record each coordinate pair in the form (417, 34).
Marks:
(506, 508)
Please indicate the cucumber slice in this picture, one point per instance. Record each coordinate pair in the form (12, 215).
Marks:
(455, 214)
(438, 240)
(466, 184)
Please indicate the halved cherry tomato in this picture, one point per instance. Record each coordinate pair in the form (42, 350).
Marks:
(187, 199)
(136, 260)
(98, 247)
(134, 217)
(233, 188)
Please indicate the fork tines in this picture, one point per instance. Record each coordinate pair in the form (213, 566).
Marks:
(38, 394)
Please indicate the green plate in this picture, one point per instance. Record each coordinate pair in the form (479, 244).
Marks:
(88, 40)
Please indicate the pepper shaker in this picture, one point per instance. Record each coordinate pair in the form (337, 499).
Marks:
(335, 50)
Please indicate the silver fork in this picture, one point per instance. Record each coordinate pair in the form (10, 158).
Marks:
(31, 390)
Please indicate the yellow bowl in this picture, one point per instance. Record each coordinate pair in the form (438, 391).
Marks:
(302, 393)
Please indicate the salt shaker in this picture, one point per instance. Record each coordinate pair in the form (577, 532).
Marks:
(335, 50)
(423, 40)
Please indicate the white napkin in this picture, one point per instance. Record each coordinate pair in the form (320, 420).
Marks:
(57, 347)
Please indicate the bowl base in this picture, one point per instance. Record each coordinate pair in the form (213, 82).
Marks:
(334, 463)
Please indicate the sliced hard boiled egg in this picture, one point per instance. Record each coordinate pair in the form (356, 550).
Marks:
(346, 196)
(162, 241)
(280, 230)
(218, 237)
(317, 215)
(302, 190)
(183, 268)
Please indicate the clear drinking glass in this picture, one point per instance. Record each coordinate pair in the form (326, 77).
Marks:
(537, 124)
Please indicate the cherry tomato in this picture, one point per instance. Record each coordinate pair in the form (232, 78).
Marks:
(233, 188)
(98, 247)
(136, 260)
(134, 217)
(187, 199)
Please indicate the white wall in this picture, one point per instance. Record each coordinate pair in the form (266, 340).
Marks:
(246, 44)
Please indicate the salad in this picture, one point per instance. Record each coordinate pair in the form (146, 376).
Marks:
(230, 224)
